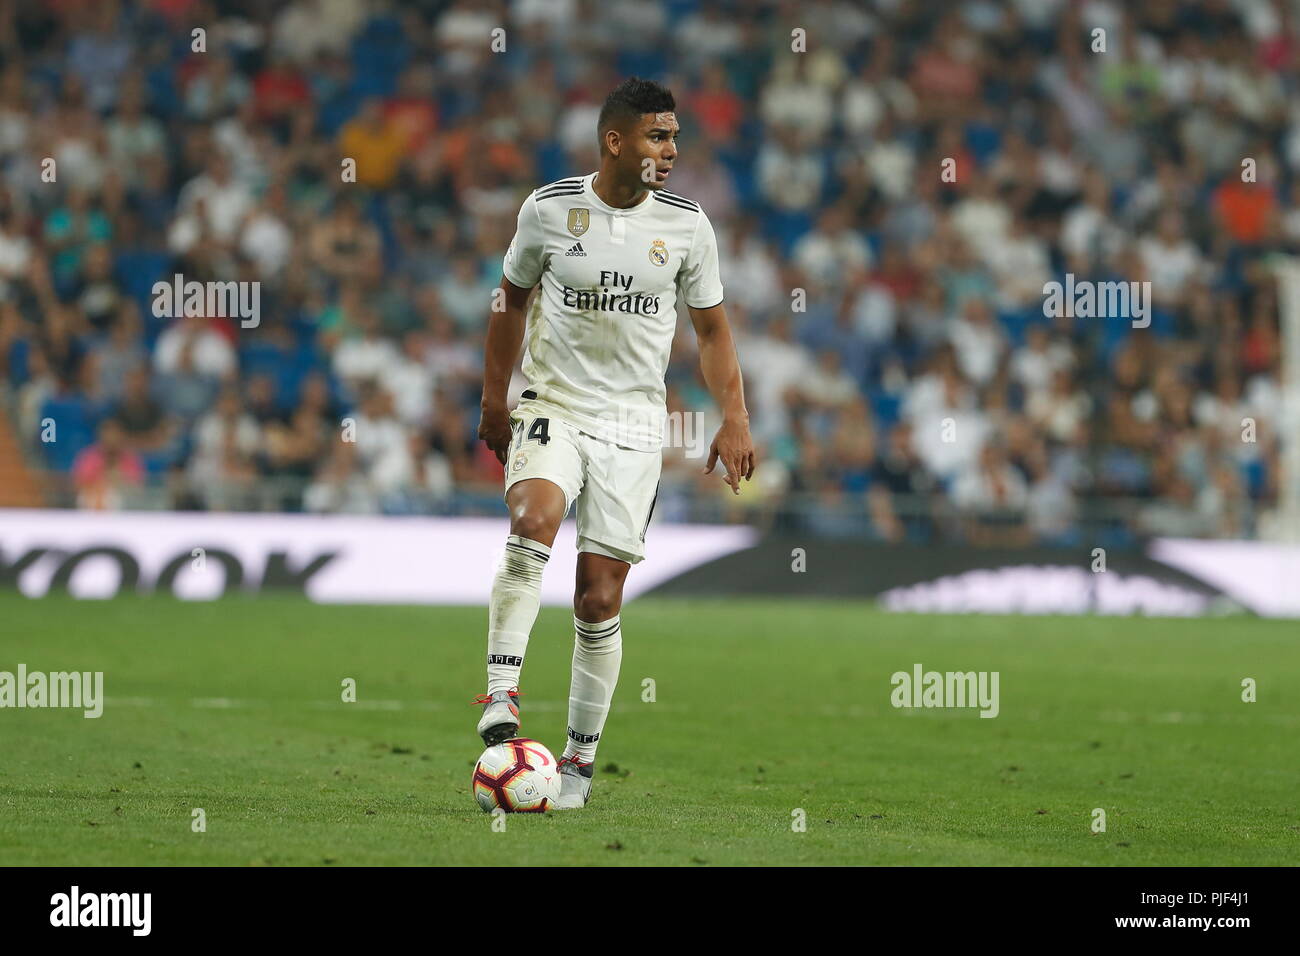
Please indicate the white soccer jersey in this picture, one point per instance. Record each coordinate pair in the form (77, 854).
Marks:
(601, 328)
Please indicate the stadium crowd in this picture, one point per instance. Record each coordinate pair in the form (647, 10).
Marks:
(889, 206)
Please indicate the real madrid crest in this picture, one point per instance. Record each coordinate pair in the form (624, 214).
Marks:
(659, 253)
(520, 461)
(579, 221)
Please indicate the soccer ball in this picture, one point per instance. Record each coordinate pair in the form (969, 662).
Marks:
(517, 776)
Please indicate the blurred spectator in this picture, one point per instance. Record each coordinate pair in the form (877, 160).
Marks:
(383, 442)
(1060, 409)
(266, 237)
(465, 294)
(132, 133)
(750, 267)
(991, 484)
(341, 487)
(69, 232)
(212, 207)
(1170, 260)
(293, 445)
(215, 88)
(833, 254)
(365, 356)
(715, 105)
(226, 439)
(146, 426)
(101, 53)
(193, 336)
(978, 342)
(344, 245)
(107, 470)
(376, 142)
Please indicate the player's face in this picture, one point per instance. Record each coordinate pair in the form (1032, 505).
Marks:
(653, 148)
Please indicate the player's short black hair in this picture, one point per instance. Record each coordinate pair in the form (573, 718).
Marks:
(629, 100)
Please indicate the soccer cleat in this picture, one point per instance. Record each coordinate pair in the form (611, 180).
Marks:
(575, 784)
(500, 720)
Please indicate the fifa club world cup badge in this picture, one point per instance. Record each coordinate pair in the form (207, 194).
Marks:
(659, 253)
(579, 221)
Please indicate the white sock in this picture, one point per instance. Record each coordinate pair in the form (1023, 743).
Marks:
(597, 654)
(516, 597)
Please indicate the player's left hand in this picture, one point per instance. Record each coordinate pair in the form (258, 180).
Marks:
(735, 448)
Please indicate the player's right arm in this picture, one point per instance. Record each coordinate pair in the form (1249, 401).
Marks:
(505, 333)
(522, 270)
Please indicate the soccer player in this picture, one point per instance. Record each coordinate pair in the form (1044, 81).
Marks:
(613, 251)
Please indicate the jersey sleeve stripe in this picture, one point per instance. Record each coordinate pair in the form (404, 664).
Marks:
(559, 192)
(667, 192)
(679, 205)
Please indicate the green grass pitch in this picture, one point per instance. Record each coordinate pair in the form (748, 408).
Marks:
(761, 707)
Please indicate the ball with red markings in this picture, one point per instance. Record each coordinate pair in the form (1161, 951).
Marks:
(517, 776)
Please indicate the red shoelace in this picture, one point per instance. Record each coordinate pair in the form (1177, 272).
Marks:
(486, 698)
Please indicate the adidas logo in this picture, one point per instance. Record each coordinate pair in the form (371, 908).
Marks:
(576, 250)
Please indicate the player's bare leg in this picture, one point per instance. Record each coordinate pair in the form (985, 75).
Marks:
(597, 654)
(536, 509)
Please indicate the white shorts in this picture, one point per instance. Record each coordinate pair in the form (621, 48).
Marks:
(615, 487)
